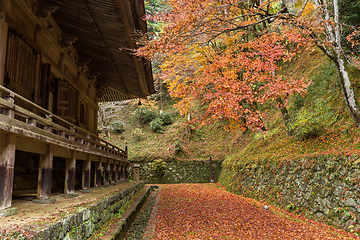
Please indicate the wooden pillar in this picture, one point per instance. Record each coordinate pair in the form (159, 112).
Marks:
(7, 162)
(97, 178)
(37, 79)
(86, 173)
(3, 47)
(118, 173)
(106, 173)
(70, 174)
(45, 174)
(122, 173)
(113, 173)
(126, 172)
(136, 172)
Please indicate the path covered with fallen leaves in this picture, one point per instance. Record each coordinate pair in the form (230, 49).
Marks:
(207, 211)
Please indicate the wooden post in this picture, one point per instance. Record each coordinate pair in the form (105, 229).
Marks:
(8, 111)
(210, 160)
(118, 173)
(70, 174)
(7, 162)
(113, 173)
(3, 46)
(86, 173)
(106, 173)
(31, 121)
(97, 177)
(126, 172)
(37, 77)
(48, 128)
(45, 174)
(122, 173)
(136, 172)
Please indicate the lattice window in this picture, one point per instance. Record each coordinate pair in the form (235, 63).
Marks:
(20, 66)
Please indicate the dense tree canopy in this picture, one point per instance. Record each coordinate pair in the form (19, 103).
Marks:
(225, 54)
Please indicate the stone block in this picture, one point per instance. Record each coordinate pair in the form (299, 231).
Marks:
(86, 214)
(65, 228)
(85, 190)
(69, 195)
(55, 230)
(8, 212)
(44, 201)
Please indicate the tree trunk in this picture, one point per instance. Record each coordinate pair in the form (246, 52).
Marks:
(285, 115)
(345, 83)
(333, 33)
(347, 91)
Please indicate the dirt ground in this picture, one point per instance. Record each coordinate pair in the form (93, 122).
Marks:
(41, 214)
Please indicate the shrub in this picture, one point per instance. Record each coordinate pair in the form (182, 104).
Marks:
(178, 147)
(138, 134)
(117, 126)
(145, 115)
(157, 125)
(166, 118)
(158, 166)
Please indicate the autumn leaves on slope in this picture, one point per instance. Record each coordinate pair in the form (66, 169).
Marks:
(206, 211)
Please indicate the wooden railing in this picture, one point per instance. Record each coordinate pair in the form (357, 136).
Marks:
(44, 119)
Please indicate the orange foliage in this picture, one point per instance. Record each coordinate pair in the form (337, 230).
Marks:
(224, 55)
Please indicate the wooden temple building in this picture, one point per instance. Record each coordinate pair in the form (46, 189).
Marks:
(58, 60)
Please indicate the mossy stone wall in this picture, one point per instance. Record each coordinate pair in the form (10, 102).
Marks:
(325, 188)
(178, 172)
(82, 224)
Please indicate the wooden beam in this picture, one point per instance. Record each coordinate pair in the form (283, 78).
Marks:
(45, 174)
(70, 174)
(86, 173)
(7, 162)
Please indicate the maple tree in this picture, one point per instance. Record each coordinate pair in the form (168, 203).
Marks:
(223, 55)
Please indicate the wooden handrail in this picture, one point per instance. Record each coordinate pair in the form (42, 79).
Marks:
(69, 128)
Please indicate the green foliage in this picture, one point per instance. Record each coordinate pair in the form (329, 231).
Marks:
(350, 16)
(117, 126)
(309, 123)
(178, 147)
(138, 134)
(156, 125)
(158, 166)
(166, 118)
(145, 115)
(153, 7)
(312, 114)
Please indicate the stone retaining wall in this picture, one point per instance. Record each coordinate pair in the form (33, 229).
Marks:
(179, 172)
(325, 188)
(83, 223)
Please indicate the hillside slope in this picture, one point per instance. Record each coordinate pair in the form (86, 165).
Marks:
(319, 121)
